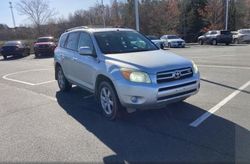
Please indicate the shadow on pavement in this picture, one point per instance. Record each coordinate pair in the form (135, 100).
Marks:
(163, 135)
(223, 85)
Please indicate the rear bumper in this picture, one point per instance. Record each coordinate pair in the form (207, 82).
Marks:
(12, 53)
(153, 96)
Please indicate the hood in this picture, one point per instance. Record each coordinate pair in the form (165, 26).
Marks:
(175, 40)
(149, 61)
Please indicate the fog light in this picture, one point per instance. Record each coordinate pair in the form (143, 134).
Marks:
(134, 99)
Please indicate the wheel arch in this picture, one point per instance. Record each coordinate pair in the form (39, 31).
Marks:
(57, 65)
(101, 78)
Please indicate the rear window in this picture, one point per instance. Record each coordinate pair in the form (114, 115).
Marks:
(225, 32)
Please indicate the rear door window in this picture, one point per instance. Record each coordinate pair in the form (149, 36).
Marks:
(72, 41)
(225, 32)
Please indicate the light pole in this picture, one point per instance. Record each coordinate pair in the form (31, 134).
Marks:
(13, 18)
(103, 14)
(226, 21)
(137, 21)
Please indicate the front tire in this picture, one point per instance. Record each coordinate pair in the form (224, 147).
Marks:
(169, 45)
(236, 41)
(109, 101)
(201, 42)
(63, 83)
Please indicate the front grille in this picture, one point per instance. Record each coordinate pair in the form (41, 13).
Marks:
(44, 46)
(172, 75)
(176, 95)
(177, 86)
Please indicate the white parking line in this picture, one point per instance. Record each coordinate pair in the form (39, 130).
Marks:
(203, 117)
(218, 56)
(46, 82)
(6, 77)
(223, 66)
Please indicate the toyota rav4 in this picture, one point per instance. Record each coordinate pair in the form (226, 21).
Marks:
(123, 69)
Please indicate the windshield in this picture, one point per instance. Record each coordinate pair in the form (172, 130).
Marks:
(247, 31)
(112, 42)
(45, 40)
(153, 37)
(225, 32)
(12, 43)
(173, 37)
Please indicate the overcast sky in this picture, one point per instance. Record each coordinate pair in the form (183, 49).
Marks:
(63, 8)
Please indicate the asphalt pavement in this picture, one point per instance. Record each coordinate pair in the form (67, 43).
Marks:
(38, 123)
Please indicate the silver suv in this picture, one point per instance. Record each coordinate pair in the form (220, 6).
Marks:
(124, 69)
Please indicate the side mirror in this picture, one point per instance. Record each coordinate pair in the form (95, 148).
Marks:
(85, 51)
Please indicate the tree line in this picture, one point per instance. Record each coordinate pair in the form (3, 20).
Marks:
(186, 18)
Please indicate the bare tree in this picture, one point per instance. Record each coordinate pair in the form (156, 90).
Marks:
(38, 11)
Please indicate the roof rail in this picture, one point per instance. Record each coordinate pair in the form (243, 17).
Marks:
(75, 28)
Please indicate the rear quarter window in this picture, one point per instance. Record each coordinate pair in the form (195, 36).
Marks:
(72, 41)
(62, 40)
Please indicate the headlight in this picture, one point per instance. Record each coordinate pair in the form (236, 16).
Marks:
(135, 76)
(195, 68)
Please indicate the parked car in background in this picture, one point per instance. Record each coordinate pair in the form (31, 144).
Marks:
(241, 36)
(44, 46)
(123, 69)
(15, 48)
(156, 40)
(214, 37)
(173, 41)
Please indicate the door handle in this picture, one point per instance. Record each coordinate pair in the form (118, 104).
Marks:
(74, 59)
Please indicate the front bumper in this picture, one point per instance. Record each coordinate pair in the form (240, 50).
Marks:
(176, 44)
(44, 50)
(151, 96)
(12, 53)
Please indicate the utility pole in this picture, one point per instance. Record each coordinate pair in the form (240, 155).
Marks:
(137, 21)
(227, 10)
(13, 18)
(103, 14)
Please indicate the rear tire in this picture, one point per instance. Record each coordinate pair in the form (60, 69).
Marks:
(5, 57)
(37, 55)
(63, 83)
(214, 42)
(109, 101)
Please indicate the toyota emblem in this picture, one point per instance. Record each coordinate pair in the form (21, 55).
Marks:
(177, 75)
